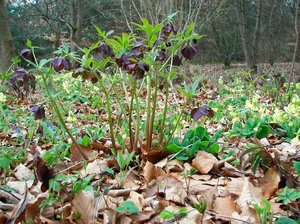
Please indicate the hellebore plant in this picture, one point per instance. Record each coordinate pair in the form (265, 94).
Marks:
(57, 64)
(151, 58)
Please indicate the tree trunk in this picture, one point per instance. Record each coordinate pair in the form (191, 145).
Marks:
(76, 21)
(297, 46)
(250, 47)
(7, 48)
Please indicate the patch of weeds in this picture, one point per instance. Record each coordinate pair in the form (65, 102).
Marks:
(289, 198)
(60, 185)
(58, 152)
(123, 162)
(193, 141)
(264, 211)
(10, 157)
(252, 127)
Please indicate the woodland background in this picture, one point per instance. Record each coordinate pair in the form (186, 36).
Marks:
(236, 30)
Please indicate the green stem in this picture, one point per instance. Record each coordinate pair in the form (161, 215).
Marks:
(110, 121)
(133, 92)
(154, 100)
(138, 121)
(177, 122)
(162, 126)
(62, 122)
(148, 118)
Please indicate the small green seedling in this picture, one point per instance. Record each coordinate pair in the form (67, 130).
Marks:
(127, 207)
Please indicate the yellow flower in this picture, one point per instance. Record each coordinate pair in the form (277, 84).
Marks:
(235, 119)
(215, 109)
(296, 141)
(66, 86)
(2, 97)
(71, 118)
(295, 99)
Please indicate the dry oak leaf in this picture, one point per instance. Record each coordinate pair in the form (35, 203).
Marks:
(204, 162)
(152, 172)
(269, 183)
(83, 203)
(172, 188)
(224, 206)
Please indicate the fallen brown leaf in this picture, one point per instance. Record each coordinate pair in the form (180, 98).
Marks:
(204, 162)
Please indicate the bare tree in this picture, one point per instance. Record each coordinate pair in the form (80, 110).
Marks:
(7, 48)
(197, 11)
(249, 36)
(297, 46)
(58, 14)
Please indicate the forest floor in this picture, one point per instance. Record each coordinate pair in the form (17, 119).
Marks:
(253, 177)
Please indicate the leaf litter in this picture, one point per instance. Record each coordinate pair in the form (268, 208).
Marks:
(157, 182)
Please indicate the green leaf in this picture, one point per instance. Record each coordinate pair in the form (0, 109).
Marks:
(120, 140)
(109, 170)
(86, 181)
(99, 31)
(85, 141)
(285, 220)
(5, 163)
(213, 149)
(165, 214)
(120, 209)
(43, 62)
(216, 136)
(128, 206)
(288, 195)
(200, 132)
(201, 207)
(4, 106)
(184, 92)
(263, 131)
(189, 30)
(171, 16)
(296, 165)
(129, 158)
(121, 161)
(182, 212)
(54, 185)
(28, 43)
(174, 148)
(182, 157)
(195, 84)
